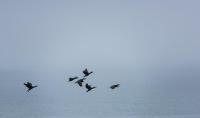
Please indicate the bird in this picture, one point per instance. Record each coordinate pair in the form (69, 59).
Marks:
(29, 86)
(89, 87)
(86, 73)
(80, 82)
(114, 86)
(72, 78)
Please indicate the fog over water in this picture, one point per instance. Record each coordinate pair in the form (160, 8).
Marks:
(150, 47)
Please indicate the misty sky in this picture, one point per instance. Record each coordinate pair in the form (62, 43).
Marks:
(142, 44)
(61, 34)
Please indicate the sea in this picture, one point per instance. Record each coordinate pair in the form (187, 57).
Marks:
(57, 98)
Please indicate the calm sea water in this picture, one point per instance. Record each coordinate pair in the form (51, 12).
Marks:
(100, 109)
(59, 99)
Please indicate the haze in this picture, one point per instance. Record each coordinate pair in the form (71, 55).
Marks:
(150, 47)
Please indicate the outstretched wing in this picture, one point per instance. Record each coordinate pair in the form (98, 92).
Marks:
(25, 84)
(80, 84)
(76, 77)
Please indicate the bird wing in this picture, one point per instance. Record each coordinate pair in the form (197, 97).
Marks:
(29, 84)
(80, 84)
(25, 84)
(75, 77)
(85, 71)
(70, 79)
(78, 81)
(35, 86)
(87, 86)
(112, 87)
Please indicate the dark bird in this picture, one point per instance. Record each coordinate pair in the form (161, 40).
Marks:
(72, 78)
(80, 82)
(114, 86)
(86, 73)
(29, 86)
(89, 87)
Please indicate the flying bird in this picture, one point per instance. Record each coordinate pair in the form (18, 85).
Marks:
(89, 87)
(29, 86)
(80, 82)
(72, 78)
(114, 86)
(86, 73)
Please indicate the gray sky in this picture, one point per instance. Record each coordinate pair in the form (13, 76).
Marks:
(145, 45)
(61, 34)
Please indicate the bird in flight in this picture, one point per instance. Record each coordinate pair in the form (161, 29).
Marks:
(114, 86)
(72, 78)
(29, 86)
(86, 73)
(80, 82)
(89, 87)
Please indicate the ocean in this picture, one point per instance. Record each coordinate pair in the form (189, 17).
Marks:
(57, 98)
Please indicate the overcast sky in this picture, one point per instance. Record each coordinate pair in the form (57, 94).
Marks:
(66, 34)
(143, 43)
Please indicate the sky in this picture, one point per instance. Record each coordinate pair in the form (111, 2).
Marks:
(149, 47)
(56, 34)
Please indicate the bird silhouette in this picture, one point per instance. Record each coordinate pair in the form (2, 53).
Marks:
(72, 78)
(86, 73)
(89, 87)
(29, 86)
(114, 86)
(80, 82)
